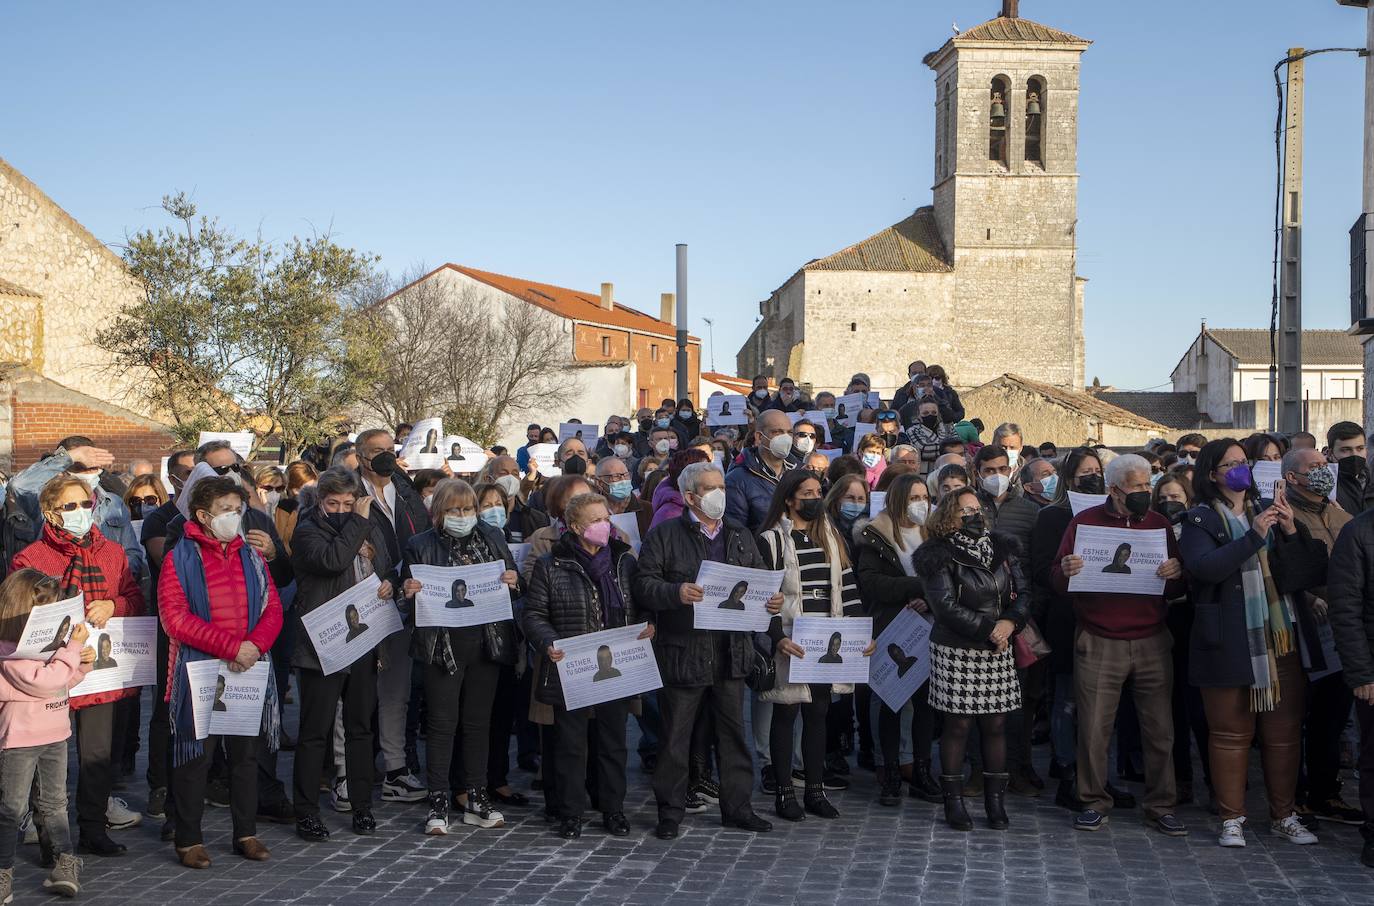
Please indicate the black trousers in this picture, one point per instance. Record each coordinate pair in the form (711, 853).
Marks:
(503, 708)
(922, 729)
(124, 742)
(159, 725)
(319, 696)
(863, 704)
(95, 772)
(813, 715)
(1034, 681)
(679, 706)
(188, 789)
(1328, 708)
(1189, 713)
(1365, 714)
(465, 696)
(607, 721)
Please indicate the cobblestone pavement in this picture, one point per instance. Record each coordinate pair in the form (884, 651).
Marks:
(871, 854)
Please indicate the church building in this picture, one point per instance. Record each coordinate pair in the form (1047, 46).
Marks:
(984, 280)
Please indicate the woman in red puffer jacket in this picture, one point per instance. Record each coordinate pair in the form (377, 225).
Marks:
(72, 549)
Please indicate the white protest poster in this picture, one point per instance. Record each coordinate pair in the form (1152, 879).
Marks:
(726, 409)
(1080, 502)
(588, 434)
(167, 479)
(424, 446)
(225, 703)
(832, 454)
(607, 665)
(834, 649)
(902, 662)
(461, 595)
(463, 455)
(1119, 561)
(627, 527)
(874, 401)
(1327, 638)
(49, 626)
(735, 597)
(1266, 472)
(350, 625)
(241, 442)
(876, 501)
(125, 656)
(860, 431)
(816, 418)
(847, 408)
(520, 552)
(544, 456)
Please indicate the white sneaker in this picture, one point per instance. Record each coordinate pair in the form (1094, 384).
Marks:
(405, 788)
(118, 815)
(1292, 830)
(1232, 832)
(28, 828)
(338, 796)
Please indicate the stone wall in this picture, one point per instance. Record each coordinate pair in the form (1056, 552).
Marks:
(1042, 419)
(81, 285)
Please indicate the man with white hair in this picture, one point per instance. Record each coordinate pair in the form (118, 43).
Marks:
(1122, 637)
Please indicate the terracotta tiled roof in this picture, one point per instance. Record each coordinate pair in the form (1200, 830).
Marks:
(14, 289)
(912, 245)
(738, 384)
(1250, 346)
(1011, 30)
(1077, 400)
(571, 303)
(1175, 409)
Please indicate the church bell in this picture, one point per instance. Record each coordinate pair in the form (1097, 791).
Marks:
(998, 108)
(1033, 104)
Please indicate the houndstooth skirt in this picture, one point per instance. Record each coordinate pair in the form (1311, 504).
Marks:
(973, 680)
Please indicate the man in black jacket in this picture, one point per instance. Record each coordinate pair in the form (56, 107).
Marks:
(1345, 445)
(1350, 608)
(399, 513)
(700, 667)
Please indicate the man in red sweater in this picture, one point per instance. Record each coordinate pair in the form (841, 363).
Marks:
(1122, 637)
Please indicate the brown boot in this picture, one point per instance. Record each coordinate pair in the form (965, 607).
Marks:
(251, 849)
(193, 856)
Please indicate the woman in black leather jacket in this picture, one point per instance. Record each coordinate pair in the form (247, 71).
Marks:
(461, 665)
(583, 585)
(976, 591)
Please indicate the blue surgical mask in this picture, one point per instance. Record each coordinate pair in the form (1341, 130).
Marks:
(1049, 485)
(460, 526)
(661, 423)
(871, 459)
(620, 490)
(851, 509)
(78, 521)
(494, 516)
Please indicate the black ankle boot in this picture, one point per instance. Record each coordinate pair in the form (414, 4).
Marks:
(817, 804)
(923, 786)
(786, 805)
(889, 785)
(952, 788)
(994, 800)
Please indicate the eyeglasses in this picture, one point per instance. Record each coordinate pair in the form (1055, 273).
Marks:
(1228, 466)
(969, 511)
(150, 500)
(225, 470)
(279, 488)
(72, 507)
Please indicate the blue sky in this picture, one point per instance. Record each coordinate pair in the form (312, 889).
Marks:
(575, 143)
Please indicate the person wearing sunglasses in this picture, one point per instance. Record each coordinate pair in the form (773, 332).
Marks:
(73, 548)
(889, 428)
(144, 495)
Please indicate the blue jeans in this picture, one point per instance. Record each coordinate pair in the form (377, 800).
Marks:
(39, 772)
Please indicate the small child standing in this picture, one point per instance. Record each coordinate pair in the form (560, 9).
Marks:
(34, 726)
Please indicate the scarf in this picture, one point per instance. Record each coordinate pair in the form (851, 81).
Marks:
(83, 572)
(979, 549)
(1268, 615)
(190, 569)
(600, 568)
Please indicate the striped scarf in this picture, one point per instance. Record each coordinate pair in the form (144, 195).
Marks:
(1268, 616)
(83, 573)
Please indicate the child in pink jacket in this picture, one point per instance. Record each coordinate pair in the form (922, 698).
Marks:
(34, 726)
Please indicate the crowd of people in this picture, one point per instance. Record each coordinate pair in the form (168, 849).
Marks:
(1262, 635)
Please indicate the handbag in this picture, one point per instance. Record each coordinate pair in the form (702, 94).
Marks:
(763, 673)
(1029, 645)
(498, 643)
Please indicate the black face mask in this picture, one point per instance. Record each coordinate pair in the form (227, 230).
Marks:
(1090, 484)
(645, 424)
(810, 509)
(1171, 509)
(383, 464)
(575, 465)
(336, 520)
(1138, 503)
(931, 421)
(972, 525)
(1351, 466)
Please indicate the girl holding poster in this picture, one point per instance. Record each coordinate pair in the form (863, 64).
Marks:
(335, 546)
(72, 548)
(462, 664)
(799, 539)
(581, 586)
(978, 595)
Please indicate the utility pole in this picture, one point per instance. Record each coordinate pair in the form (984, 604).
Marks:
(684, 390)
(1362, 233)
(711, 338)
(1289, 395)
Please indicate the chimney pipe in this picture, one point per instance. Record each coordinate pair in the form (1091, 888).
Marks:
(1009, 8)
(608, 296)
(666, 303)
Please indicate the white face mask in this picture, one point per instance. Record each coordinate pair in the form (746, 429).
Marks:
(917, 511)
(225, 526)
(272, 498)
(780, 446)
(663, 446)
(1013, 456)
(622, 450)
(805, 444)
(91, 478)
(510, 484)
(996, 485)
(712, 503)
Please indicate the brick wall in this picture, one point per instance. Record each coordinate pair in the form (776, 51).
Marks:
(40, 412)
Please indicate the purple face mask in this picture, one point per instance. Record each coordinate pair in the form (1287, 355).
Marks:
(1238, 478)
